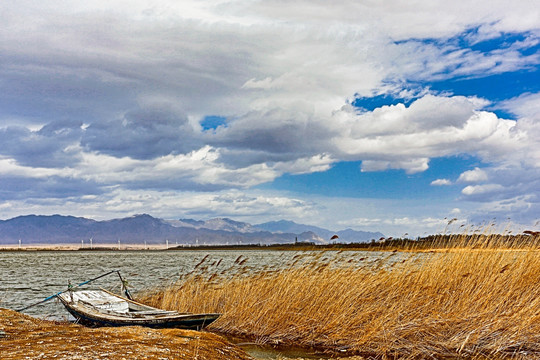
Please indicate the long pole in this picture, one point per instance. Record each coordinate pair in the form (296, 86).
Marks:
(124, 286)
(61, 292)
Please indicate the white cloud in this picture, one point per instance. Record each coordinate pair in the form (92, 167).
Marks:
(198, 168)
(525, 106)
(411, 166)
(313, 164)
(366, 222)
(406, 137)
(476, 175)
(471, 190)
(441, 182)
(513, 205)
(9, 167)
(251, 207)
(413, 226)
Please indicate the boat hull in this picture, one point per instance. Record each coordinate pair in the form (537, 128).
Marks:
(193, 323)
(88, 316)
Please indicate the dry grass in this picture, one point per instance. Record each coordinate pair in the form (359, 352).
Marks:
(477, 301)
(23, 337)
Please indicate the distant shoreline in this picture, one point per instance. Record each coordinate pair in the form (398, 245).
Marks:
(429, 243)
(300, 246)
(78, 247)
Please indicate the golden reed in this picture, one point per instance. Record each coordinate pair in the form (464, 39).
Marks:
(468, 296)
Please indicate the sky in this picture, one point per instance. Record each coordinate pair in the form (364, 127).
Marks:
(391, 116)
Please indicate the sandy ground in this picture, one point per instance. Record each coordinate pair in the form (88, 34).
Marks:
(25, 337)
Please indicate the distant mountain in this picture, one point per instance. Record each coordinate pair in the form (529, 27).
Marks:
(44, 229)
(196, 224)
(229, 225)
(348, 235)
(224, 224)
(285, 226)
(58, 229)
(310, 236)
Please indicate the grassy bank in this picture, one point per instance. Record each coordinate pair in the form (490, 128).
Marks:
(25, 337)
(471, 299)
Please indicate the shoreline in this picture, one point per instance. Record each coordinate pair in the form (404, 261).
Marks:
(432, 243)
(160, 247)
(78, 247)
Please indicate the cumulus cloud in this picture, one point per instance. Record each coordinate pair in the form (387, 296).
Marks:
(441, 182)
(275, 131)
(169, 204)
(406, 226)
(50, 146)
(142, 134)
(507, 182)
(21, 187)
(411, 166)
(509, 187)
(472, 190)
(406, 137)
(525, 106)
(476, 175)
(453, 112)
(197, 170)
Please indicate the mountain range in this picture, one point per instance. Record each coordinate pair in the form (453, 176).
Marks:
(138, 229)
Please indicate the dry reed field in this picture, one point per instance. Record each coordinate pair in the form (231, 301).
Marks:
(468, 297)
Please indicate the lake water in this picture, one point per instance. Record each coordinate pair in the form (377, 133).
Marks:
(27, 277)
(30, 276)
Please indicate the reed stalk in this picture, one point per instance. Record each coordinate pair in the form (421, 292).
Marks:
(474, 297)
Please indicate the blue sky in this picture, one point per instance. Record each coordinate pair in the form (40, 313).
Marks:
(388, 116)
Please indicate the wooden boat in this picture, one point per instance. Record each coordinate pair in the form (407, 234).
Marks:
(103, 308)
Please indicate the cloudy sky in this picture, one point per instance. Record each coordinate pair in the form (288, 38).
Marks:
(393, 116)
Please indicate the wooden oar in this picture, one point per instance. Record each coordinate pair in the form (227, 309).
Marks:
(76, 286)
